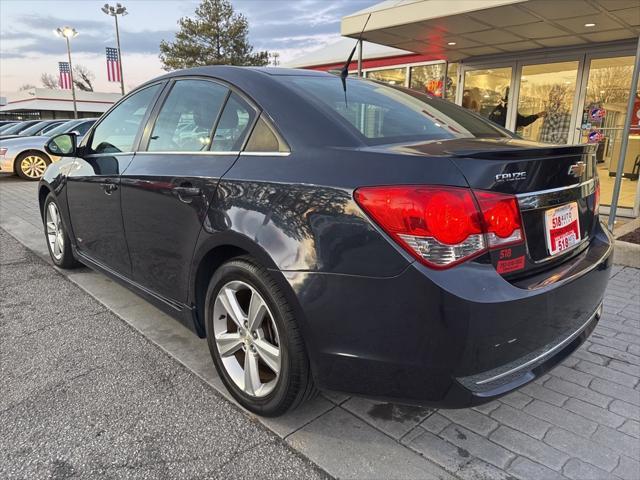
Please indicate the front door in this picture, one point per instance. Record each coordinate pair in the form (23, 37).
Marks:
(93, 188)
(171, 182)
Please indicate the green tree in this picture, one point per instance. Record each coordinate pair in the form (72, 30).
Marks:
(215, 36)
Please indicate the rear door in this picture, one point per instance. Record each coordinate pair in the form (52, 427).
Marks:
(193, 138)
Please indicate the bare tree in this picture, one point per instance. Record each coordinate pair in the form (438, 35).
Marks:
(26, 86)
(83, 78)
(49, 81)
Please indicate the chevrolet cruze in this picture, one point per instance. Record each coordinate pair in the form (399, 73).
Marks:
(366, 239)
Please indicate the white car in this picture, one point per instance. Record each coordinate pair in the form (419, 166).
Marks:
(26, 157)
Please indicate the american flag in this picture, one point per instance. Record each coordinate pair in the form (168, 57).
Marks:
(65, 75)
(113, 65)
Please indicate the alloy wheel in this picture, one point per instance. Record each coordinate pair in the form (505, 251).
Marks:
(247, 339)
(55, 234)
(33, 166)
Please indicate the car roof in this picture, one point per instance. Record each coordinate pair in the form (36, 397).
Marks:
(226, 71)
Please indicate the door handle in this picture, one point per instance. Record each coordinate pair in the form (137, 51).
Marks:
(186, 191)
(109, 188)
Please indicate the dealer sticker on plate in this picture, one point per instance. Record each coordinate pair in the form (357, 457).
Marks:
(562, 228)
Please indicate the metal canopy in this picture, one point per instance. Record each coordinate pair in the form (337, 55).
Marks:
(455, 30)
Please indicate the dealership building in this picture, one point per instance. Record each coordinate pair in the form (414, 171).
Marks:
(47, 103)
(552, 71)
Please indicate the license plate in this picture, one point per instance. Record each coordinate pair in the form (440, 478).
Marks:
(562, 228)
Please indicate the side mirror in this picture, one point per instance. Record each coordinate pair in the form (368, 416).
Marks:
(63, 145)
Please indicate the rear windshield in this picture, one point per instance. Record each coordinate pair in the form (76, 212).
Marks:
(34, 129)
(382, 114)
(64, 128)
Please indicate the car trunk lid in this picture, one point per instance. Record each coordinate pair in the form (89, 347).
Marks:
(554, 184)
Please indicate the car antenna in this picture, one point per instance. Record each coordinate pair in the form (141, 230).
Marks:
(344, 73)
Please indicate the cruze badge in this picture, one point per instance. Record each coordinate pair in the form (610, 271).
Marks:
(511, 177)
(577, 169)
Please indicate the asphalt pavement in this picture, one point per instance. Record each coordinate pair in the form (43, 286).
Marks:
(84, 395)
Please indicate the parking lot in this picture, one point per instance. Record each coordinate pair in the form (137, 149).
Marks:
(84, 394)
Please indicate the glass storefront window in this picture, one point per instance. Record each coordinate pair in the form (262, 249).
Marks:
(602, 123)
(431, 79)
(485, 89)
(392, 76)
(545, 101)
(428, 78)
(452, 82)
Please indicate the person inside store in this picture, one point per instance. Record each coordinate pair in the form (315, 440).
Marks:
(557, 120)
(471, 99)
(499, 114)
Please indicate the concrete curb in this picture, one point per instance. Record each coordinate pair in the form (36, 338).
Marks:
(627, 254)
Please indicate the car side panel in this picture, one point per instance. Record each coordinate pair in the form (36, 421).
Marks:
(299, 208)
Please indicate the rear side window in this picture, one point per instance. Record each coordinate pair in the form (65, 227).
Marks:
(383, 114)
(187, 118)
(117, 131)
(265, 139)
(234, 124)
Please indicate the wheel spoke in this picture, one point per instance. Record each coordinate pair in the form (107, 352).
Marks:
(269, 354)
(257, 310)
(251, 374)
(51, 228)
(53, 214)
(228, 343)
(231, 305)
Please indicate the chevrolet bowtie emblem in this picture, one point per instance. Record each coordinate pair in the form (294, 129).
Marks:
(577, 169)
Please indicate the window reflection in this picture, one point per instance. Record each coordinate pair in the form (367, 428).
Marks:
(546, 101)
(392, 76)
(485, 89)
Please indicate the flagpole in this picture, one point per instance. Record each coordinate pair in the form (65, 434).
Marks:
(119, 9)
(119, 56)
(73, 87)
(67, 33)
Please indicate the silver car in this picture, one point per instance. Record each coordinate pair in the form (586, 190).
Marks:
(26, 157)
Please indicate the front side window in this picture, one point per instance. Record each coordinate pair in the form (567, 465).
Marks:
(233, 126)
(187, 117)
(118, 130)
(382, 114)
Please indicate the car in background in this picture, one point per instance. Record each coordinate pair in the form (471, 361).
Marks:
(351, 236)
(6, 122)
(38, 128)
(26, 156)
(7, 125)
(18, 128)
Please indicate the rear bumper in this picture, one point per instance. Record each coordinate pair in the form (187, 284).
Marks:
(450, 338)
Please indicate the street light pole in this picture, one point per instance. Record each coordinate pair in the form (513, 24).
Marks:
(67, 33)
(119, 9)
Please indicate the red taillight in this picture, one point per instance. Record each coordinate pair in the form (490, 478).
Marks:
(501, 216)
(443, 226)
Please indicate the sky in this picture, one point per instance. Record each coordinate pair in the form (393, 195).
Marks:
(28, 46)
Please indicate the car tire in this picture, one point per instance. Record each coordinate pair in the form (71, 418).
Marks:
(31, 165)
(244, 354)
(58, 242)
